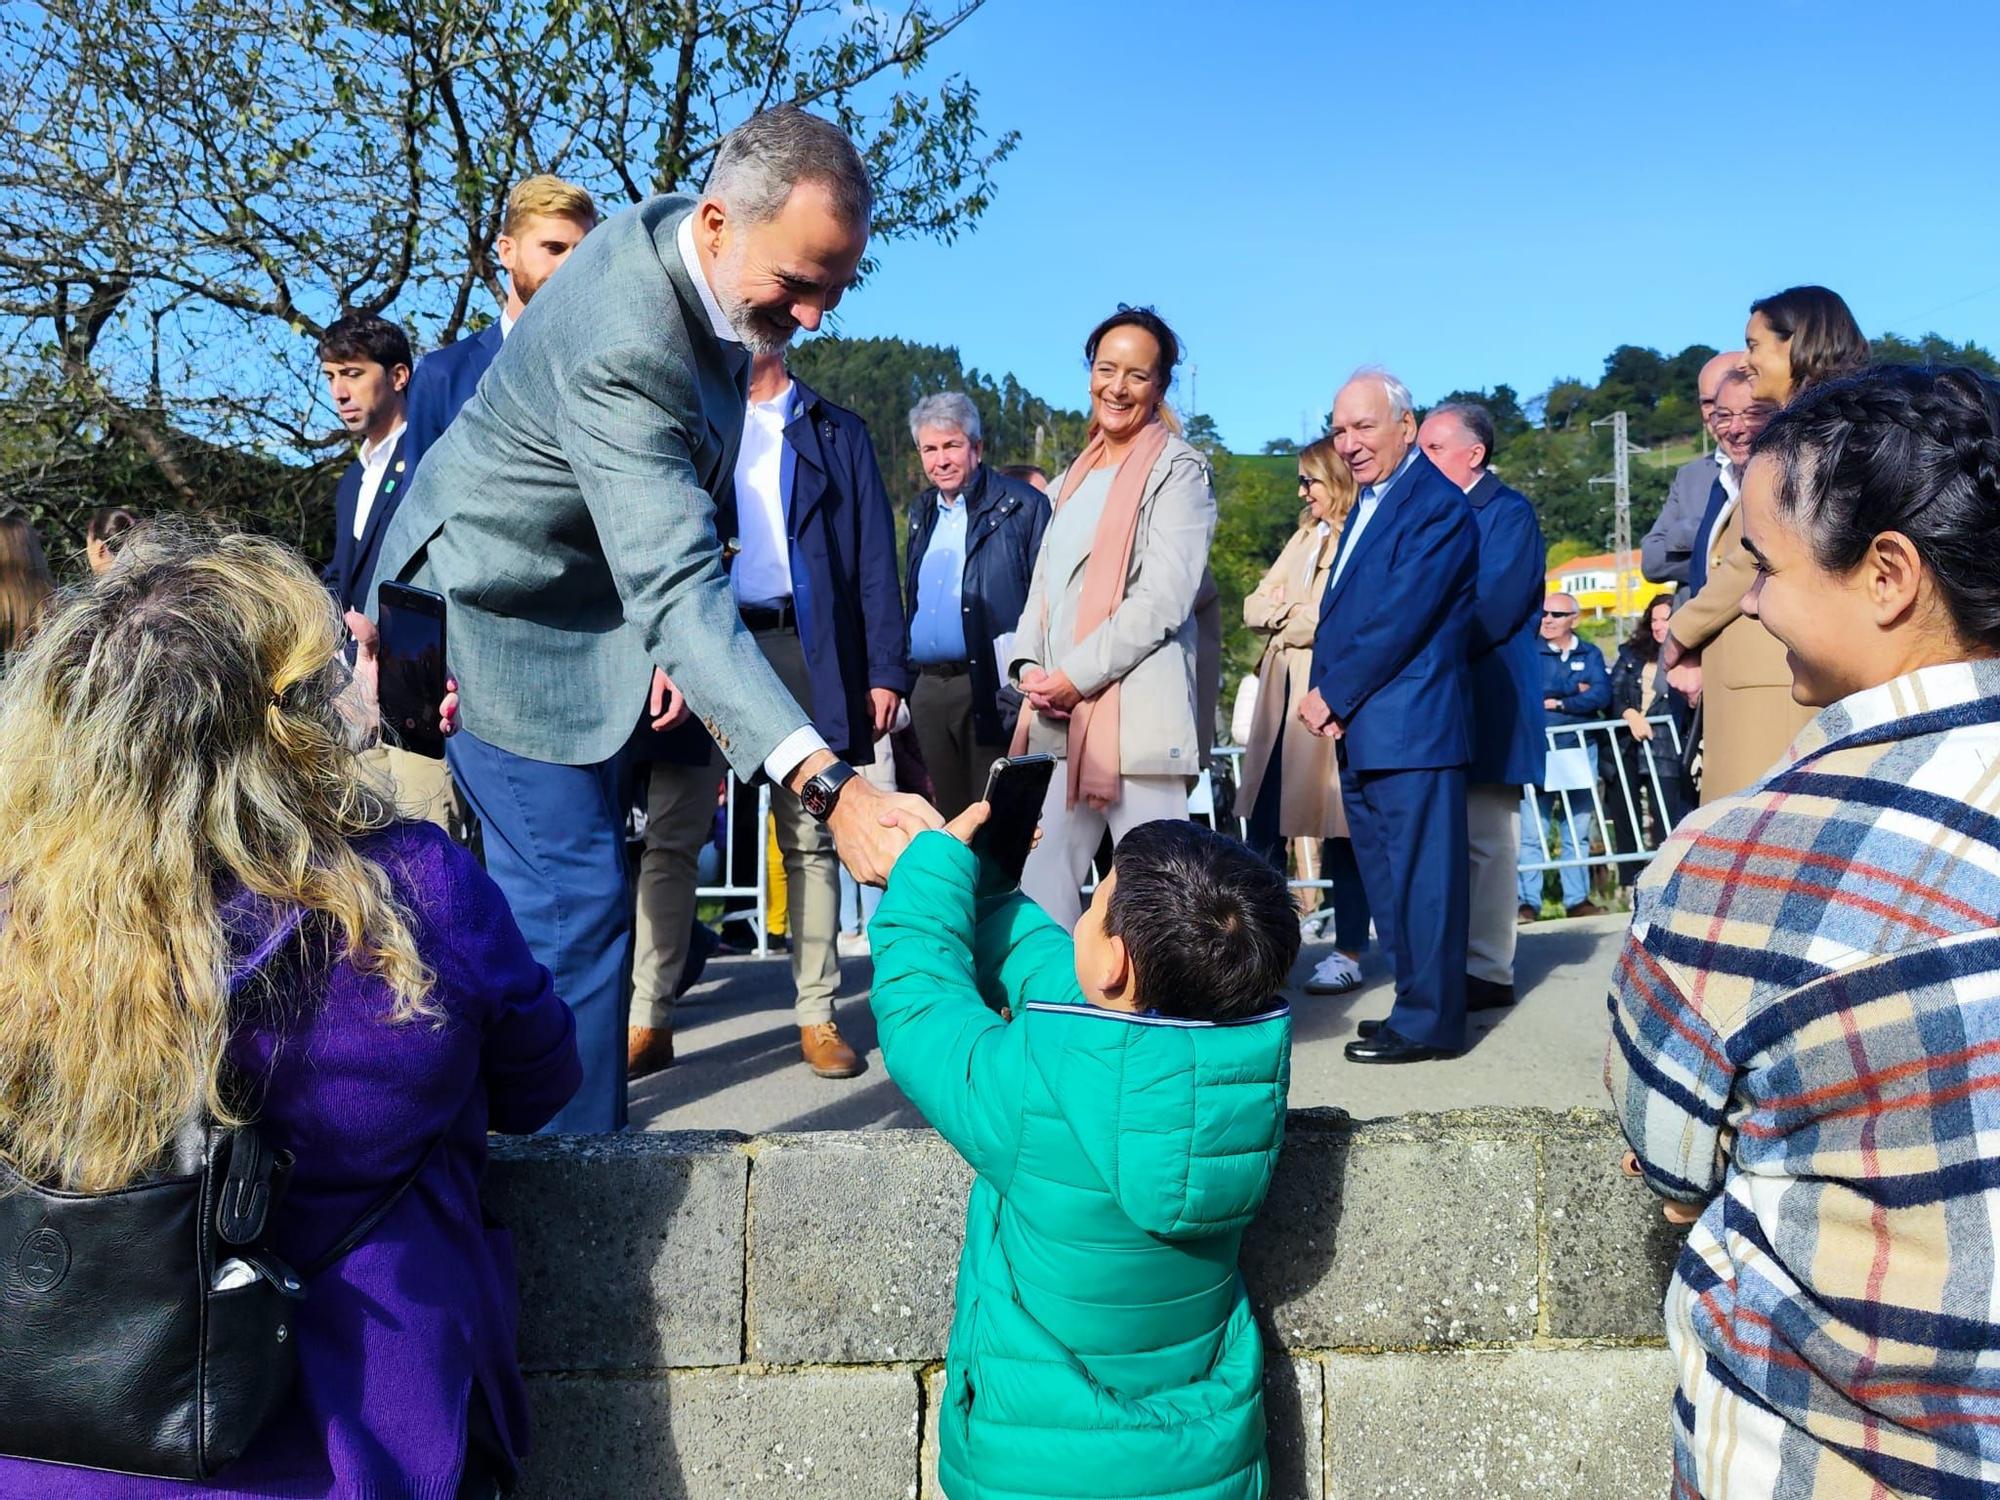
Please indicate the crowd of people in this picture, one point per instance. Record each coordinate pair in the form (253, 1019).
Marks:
(226, 905)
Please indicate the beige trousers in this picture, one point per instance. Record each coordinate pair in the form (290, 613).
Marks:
(1053, 877)
(421, 786)
(1493, 840)
(680, 809)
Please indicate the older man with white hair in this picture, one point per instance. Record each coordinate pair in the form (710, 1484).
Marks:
(1667, 551)
(568, 517)
(1389, 683)
(974, 534)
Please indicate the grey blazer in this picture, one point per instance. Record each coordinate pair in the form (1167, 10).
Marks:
(1666, 550)
(1149, 643)
(568, 514)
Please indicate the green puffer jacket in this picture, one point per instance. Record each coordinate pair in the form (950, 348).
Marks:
(1103, 1344)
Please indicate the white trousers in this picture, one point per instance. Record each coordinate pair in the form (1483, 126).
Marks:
(1493, 840)
(1054, 875)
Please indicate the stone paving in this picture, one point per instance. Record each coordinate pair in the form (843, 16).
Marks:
(739, 1065)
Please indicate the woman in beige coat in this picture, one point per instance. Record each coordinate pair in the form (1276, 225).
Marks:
(1290, 783)
(1105, 651)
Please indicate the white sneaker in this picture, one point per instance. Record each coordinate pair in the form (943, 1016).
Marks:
(1336, 975)
(852, 945)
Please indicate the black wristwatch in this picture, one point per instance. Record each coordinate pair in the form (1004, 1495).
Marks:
(822, 791)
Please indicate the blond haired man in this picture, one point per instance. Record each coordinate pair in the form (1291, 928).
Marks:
(546, 219)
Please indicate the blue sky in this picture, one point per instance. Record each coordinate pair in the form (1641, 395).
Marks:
(1467, 193)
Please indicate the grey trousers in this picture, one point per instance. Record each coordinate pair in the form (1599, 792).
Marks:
(680, 809)
(1493, 842)
(941, 714)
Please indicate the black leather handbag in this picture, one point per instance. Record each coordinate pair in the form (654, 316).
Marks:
(118, 1350)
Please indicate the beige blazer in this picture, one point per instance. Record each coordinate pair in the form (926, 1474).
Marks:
(1748, 717)
(1148, 644)
(1284, 608)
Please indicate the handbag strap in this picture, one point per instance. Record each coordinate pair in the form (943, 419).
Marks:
(364, 1226)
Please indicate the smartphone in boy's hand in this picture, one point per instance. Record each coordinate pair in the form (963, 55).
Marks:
(1015, 790)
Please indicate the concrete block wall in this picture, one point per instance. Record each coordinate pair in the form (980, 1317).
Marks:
(1455, 1305)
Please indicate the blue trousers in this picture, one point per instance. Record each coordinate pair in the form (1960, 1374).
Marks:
(555, 845)
(1409, 840)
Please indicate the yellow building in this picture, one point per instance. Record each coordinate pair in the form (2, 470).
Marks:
(1593, 582)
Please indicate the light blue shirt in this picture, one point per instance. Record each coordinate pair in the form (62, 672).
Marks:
(1364, 511)
(937, 632)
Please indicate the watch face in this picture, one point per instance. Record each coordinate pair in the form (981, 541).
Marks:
(815, 799)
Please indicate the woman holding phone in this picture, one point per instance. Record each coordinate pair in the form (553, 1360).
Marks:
(1105, 651)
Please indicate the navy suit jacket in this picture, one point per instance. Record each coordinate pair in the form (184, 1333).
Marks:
(442, 382)
(1508, 745)
(352, 570)
(1389, 656)
(842, 535)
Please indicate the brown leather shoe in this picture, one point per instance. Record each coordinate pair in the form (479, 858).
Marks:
(648, 1050)
(1586, 909)
(1526, 915)
(826, 1054)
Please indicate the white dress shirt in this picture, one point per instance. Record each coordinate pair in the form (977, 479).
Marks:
(762, 573)
(374, 469)
(801, 744)
(1365, 507)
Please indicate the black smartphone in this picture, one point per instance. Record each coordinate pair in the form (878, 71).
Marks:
(1014, 791)
(411, 623)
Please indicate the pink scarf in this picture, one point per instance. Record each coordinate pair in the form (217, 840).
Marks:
(1095, 772)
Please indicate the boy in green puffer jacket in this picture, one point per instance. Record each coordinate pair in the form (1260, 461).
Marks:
(1124, 1128)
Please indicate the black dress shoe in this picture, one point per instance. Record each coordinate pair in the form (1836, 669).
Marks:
(1368, 1029)
(1384, 1046)
(1484, 994)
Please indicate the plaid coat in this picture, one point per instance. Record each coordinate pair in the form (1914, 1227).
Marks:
(1806, 1037)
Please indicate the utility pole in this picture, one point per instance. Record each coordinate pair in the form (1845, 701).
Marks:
(1620, 477)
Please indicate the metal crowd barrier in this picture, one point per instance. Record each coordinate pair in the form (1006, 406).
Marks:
(759, 893)
(1614, 734)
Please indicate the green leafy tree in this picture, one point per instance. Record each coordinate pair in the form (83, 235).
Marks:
(197, 187)
(1932, 349)
(1280, 445)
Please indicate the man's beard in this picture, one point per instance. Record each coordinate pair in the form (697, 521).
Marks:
(526, 286)
(757, 330)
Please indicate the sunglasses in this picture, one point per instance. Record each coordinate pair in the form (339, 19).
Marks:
(1559, 614)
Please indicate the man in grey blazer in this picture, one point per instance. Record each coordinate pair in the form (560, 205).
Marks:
(1666, 550)
(568, 518)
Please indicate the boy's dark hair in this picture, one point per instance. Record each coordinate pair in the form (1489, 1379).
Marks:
(1210, 927)
(366, 336)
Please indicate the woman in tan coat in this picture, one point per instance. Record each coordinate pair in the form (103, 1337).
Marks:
(1289, 781)
(1797, 339)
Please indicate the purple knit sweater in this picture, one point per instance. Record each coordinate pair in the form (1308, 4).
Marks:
(392, 1339)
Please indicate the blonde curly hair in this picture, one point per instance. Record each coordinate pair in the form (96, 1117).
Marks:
(172, 734)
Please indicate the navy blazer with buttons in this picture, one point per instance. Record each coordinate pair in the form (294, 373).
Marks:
(842, 536)
(353, 567)
(1389, 656)
(1508, 743)
(444, 381)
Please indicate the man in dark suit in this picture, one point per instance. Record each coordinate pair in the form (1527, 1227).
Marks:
(974, 534)
(1389, 682)
(546, 218)
(1509, 748)
(366, 362)
(1667, 551)
(814, 576)
(568, 517)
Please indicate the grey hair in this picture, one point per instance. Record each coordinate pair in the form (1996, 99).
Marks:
(763, 159)
(1401, 404)
(945, 409)
(1475, 419)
